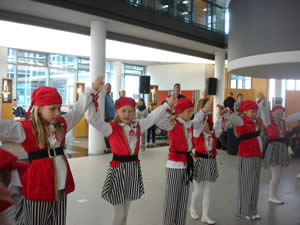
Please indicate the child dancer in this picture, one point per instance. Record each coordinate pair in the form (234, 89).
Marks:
(48, 179)
(11, 171)
(206, 169)
(248, 129)
(179, 167)
(124, 182)
(276, 153)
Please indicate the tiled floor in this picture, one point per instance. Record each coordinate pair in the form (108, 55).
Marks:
(85, 207)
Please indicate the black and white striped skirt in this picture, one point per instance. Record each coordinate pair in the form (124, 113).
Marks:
(205, 170)
(276, 154)
(176, 197)
(248, 185)
(123, 182)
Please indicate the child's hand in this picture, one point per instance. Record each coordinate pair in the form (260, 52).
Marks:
(98, 83)
(207, 107)
(5, 194)
(222, 110)
(172, 100)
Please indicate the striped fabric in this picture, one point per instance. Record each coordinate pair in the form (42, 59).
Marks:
(123, 182)
(20, 212)
(205, 170)
(46, 213)
(248, 185)
(276, 154)
(176, 198)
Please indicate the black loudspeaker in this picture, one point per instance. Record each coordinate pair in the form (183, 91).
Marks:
(144, 84)
(211, 86)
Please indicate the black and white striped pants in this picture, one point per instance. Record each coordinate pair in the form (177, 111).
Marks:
(176, 198)
(46, 213)
(248, 185)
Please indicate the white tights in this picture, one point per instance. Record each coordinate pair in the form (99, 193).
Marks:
(276, 173)
(120, 213)
(199, 188)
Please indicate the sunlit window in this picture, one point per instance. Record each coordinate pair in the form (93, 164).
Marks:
(240, 82)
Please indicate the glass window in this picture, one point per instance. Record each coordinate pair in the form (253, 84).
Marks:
(32, 58)
(63, 81)
(271, 89)
(298, 85)
(134, 69)
(290, 85)
(28, 79)
(240, 82)
(12, 56)
(62, 61)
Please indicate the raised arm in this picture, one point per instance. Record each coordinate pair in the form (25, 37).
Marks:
(159, 115)
(218, 126)
(76, 113)
(232, 117)
(264, 111)
(11, 130)
(199, 121)
(292, 118)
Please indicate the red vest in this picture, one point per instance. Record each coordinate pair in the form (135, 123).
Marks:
(273, 130)
(178, 142)
(200, 144)
(39, 179)
(118, 143)
(249, 147)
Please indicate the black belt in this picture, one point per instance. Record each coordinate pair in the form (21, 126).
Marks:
(283, 140)
(125, 158)
(190, 165)
(249, 136)
(46, 153)
(205, 156)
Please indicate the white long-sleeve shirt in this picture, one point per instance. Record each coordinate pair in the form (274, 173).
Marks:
(165, 124)
(95, 120)
(13, 131)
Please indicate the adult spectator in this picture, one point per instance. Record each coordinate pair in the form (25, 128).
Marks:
(141, 113)
(202, 101)
(177, 89)
(267, 104)
(229, 101)
(237, 104)
(18, 111)
(151, 130)
(122, 93)
(109, 109)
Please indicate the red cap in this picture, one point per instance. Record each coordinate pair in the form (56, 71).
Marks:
(123, 101)
(247, 105)
(7, 160)
(183, 104)
(44, 96)
(275, 107)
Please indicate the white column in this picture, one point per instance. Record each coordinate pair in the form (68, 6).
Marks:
(3, 68)
(97, 67)
(278, 88)
(117, 80)
(220, 75)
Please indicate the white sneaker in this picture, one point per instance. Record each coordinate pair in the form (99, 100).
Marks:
(276, 201)
(207, 220)
(255, 217)
(298, 175)
(194, 214)
(248, 217)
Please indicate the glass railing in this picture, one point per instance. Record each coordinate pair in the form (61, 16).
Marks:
(209, 14)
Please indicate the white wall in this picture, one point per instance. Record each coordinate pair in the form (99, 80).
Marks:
(190, 76)
(3, 67)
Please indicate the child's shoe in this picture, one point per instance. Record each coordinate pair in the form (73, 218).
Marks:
(194, 214)
(207, 220)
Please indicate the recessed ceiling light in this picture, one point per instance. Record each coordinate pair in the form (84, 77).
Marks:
(165, 6)
(185, 2)
(205, 9)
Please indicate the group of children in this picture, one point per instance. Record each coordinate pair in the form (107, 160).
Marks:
(47, 179)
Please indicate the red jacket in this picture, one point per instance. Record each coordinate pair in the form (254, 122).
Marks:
(200, 144)
(39, 182)
(178, 142)
(273, 130)
(118, 143)
(249, 147)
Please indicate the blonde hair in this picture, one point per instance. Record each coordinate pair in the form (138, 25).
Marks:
(41, 130)
(118, 120)
(172, 119)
